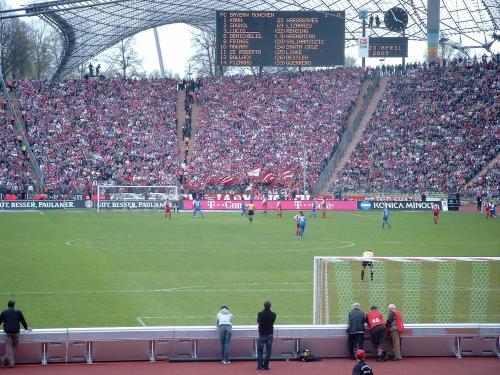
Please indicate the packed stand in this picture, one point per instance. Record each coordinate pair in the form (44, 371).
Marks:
(258, 128)
(14, 157)
(109, 131)
(487, 185)
(433, 130)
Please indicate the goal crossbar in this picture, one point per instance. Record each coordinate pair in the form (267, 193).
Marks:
(407, 259)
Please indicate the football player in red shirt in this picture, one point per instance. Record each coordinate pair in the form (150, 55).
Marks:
(297, 224)
(280, 211)
(435, 212)
(168, 213)
(323, 207)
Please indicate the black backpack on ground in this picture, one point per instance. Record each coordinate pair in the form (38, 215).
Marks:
(305, 355)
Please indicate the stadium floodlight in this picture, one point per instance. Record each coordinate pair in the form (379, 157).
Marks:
(425, 289)
(125, 197)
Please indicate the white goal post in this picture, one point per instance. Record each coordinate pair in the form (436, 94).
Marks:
(435, 289)
(135, 197)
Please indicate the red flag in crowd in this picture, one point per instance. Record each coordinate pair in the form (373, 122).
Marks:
(228, 180)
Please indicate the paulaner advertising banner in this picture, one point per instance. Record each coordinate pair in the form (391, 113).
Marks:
(398, 205)
(44, 204)
(222, 205)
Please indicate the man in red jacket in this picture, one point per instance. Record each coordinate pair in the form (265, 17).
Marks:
(396, 327)
(376, 325)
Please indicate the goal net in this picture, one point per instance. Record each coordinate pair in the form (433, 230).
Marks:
(425, 290)
(119, 197)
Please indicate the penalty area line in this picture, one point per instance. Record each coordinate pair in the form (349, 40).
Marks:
(208, 316)
(141, 322)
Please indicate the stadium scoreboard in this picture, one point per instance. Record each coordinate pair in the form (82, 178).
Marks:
(288, 38)
(388, 47)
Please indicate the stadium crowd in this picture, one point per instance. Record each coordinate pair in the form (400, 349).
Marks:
(434, 129)
(487, 185)
(14, 164)
(113, 130)
(267, 123)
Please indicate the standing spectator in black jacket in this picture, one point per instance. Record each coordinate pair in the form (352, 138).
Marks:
(266, 319)
(11, 319)
(355, 329)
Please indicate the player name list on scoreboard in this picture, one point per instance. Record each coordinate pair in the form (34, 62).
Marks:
(280, 38)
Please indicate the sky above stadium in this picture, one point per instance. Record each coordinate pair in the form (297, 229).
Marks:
(176, 46)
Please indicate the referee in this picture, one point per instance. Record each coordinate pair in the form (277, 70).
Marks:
(251, 211)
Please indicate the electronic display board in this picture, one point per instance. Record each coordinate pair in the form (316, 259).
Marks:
(388, 47)
(288, 38)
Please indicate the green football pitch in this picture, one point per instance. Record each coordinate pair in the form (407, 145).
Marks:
(124, 268)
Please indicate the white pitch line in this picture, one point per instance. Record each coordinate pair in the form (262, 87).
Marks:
(210, 316)
(191, 288)
(21, 211)
(70, 242)
(73, 243)
(141, 322)
(160, 291)
(363, 216)
(309, 290)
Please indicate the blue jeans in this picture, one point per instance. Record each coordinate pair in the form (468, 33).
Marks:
(225, 341)
(268, 341)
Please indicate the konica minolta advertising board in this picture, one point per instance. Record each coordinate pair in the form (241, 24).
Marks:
(398, 205)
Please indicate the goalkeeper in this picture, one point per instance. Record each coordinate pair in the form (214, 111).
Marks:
(367, 262)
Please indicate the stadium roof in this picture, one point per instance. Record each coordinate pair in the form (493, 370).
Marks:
(92, 26)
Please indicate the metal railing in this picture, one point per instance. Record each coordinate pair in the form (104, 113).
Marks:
(19, 129)
(322, 183)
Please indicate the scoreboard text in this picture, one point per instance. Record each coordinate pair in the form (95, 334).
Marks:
(388, 47)
(280, 38)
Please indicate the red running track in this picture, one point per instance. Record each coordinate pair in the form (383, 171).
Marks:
(408, 366)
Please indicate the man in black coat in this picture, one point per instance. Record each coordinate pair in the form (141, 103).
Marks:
(355, 329)
(11, 319)
(266, 319)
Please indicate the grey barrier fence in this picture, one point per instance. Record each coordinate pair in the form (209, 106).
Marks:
(88, 345)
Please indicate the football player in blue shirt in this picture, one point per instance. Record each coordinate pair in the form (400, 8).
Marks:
(243, 208)
(385, 218)
(197, 207)
(302, 224)
(313, 208)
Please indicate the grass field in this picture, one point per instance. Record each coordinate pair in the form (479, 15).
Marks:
(83, 269)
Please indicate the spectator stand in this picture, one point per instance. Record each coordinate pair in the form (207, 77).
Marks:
(433, 130)
(35, 168)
